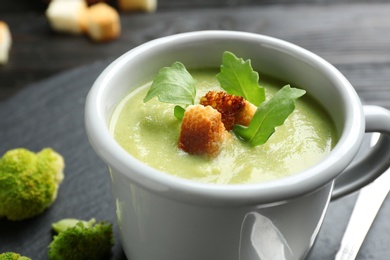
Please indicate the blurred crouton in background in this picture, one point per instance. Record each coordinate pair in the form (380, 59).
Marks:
(103, 22)
(100, 21)
(148, 6)
(97, 19)
(5, 42)
(67, 16)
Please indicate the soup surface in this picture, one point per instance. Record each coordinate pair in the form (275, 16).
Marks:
(149, 131)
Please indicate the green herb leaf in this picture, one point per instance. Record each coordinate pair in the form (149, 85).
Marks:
(178, 112)
(173, 85)
(64, 224)
(269, 114)
(238, 78)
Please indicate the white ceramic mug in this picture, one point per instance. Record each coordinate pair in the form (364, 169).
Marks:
(162, 217)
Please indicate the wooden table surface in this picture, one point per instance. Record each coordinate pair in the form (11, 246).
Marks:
(44, 84)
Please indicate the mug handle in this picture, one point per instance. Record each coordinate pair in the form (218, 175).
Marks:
(375, 162)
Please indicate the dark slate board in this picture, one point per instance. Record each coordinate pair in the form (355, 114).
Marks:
(51, 113)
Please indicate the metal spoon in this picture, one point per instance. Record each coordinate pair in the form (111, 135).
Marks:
(367, 205)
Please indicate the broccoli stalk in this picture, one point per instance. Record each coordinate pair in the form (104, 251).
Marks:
(29, 182)
(12, 256)
(78, 239)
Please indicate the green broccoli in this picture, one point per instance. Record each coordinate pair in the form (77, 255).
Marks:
(78, 239)
(12, 256)
(28, 182)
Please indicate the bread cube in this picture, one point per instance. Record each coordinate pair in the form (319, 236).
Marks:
(202, 131)
(233, 109)
(148, 6)
(5, 42)
(67, 16)
(103, 22)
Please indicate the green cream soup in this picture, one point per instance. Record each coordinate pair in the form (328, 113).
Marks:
(149, 131)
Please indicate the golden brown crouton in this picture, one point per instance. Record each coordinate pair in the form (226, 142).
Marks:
(245, 115)
(103, 23)
(202, 131)
(234, 109)
(227, 105)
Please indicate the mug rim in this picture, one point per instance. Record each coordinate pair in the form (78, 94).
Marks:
(177, 188)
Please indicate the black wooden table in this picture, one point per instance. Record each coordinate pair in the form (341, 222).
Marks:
(44, 85)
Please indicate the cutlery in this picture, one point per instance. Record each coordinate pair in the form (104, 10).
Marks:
(367, 205)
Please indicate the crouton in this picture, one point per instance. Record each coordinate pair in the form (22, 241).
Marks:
(103, 22)
(234, 109)
(5, 42)
(202, 131)
(148, 6)
(245, 115)
(67, 16)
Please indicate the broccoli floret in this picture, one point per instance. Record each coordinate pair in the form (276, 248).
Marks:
(81, 240)
(12, 256)
(28, 182)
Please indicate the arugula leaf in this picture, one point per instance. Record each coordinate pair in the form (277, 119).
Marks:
(178, 112)
(238, 78)
(269, 114)
(173, 85)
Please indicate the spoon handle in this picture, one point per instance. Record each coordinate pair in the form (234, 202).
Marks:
(367, 205)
